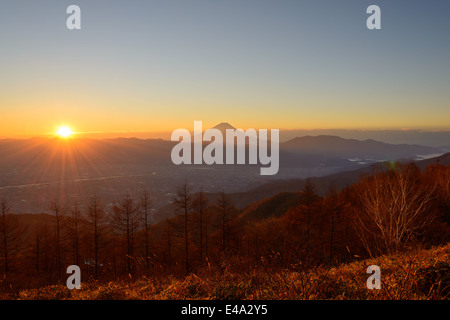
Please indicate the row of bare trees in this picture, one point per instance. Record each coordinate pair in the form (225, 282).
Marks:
(117, 238)
(196, 216)
(85, 235)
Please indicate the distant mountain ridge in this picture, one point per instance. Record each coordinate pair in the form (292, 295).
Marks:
(307, 151)
(352, 148)
(33, 170)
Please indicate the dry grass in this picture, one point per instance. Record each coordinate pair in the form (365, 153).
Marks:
(417, 274)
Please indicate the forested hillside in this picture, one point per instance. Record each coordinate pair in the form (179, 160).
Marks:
(392, 210)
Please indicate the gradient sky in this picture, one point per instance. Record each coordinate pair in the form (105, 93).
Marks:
(160, 65)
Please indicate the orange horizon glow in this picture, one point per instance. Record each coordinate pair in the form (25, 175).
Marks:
(159, 131)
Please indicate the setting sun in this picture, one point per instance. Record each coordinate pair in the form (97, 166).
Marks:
(64, 132)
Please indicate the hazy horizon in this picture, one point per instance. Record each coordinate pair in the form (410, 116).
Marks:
(435, 138)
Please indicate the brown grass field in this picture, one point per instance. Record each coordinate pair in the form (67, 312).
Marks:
(415, 275)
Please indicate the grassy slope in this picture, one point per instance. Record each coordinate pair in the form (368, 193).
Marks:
(418, 274)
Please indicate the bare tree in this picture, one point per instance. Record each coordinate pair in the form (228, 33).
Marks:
(44, 239)
(4, 230)
(10, 234)
(58, 211)
(394, 208)
(95, 217)
(183, 202)
(200, 205)
(308, 201)
(225, 212)
(146, 206)
(168, 235)
(332, 209)
(38, 246)
(74, 231)
(125, 216)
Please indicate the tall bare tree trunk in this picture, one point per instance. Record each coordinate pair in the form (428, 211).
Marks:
(146, 207)
(183, 202)
(57, 211)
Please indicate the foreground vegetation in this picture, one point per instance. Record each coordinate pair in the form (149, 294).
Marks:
(292, 246)
(415, 274)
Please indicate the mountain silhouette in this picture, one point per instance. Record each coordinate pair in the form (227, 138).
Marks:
(223, 126)
(334, 146)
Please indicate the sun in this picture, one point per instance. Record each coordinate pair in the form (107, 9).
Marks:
(64, 132)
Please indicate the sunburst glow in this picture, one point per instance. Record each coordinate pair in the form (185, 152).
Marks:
(64, 132)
